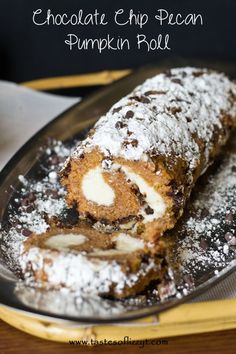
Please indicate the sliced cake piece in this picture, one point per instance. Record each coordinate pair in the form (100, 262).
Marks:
(84, 259)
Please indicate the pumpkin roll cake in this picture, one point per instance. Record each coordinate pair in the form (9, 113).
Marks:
(138, 165)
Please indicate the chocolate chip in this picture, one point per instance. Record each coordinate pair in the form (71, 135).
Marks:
(70, 217)
(145, 258)
(142, 99)
(140, 197)
(134, 142)
(28, 199)
(129, 132)
(129, 114)
(29, 209)
(54, 160)
(149, 210)
(152, 92)
(51, 193)
(232, 242)
(15, 223)
(26, 232)
(233, 169)
(197, 73)
(25, 202)
(115, 110)
(204, 213)
(188, 119)
(175, 110)
(31, 196)
(230, 238)
(176, 81)
(120, 125)
(188, 279)
(229, 217)
(178, 201)
(203, 244)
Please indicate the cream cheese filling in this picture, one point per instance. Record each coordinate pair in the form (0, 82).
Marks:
(95, 188)
(153, 199)
(63, 242)
(124, 244)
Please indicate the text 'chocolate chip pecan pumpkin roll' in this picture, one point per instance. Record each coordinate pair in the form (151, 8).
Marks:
(139, 163)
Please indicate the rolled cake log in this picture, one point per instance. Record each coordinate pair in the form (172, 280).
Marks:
(139, 163)
(83, 260)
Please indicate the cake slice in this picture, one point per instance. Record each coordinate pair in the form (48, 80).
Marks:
(85, 260)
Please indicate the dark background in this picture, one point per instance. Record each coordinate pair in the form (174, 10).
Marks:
(29, 52)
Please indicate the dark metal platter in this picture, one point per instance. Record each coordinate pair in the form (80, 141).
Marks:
(202, 250)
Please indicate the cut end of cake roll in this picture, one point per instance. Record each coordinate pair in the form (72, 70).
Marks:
(138, 165)
(118, 194)
(83, 260)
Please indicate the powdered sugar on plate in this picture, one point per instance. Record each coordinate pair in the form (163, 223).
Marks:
(36, 201)
(209, 229)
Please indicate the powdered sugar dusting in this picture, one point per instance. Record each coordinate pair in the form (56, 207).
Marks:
(163, 115)
(79, 273)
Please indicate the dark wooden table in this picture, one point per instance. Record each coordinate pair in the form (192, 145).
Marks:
(12, 341)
